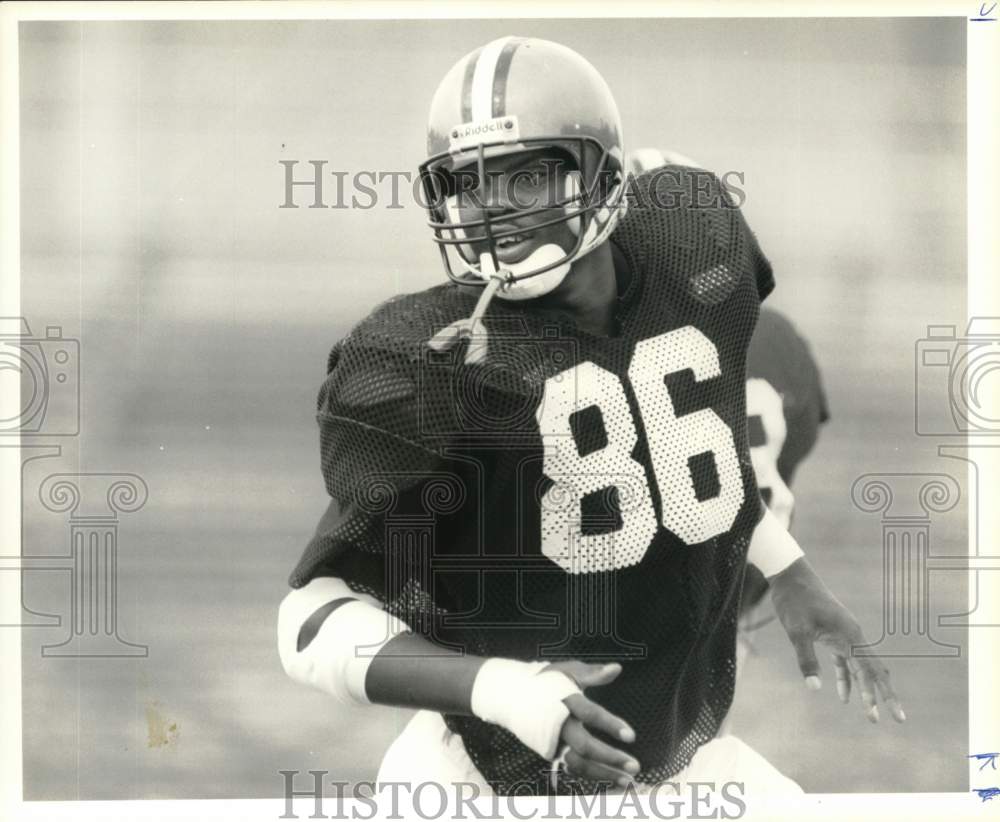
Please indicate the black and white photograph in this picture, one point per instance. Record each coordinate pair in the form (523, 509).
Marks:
(480, 410)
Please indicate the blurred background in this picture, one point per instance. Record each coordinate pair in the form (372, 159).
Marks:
(152, 233)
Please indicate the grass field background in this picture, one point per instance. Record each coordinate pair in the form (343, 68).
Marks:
(151, 233)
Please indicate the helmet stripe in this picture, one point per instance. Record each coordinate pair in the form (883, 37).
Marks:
(501, 75)
(482, 79)
(470, 67)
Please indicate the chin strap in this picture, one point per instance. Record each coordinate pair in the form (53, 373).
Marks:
(473, 329)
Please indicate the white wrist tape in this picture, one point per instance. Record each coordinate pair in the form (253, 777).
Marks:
(528, 703)
(336, 660)
(772, 548)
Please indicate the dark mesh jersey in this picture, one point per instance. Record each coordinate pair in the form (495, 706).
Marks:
(780, 357)
(786, 405)
(573, 496)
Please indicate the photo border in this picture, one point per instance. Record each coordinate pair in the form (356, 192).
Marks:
(983, 123)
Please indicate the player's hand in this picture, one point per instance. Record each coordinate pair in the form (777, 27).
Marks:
(811, 614)
(585, 755)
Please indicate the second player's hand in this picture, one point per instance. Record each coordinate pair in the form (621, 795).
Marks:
(811, 614)
(587, 756)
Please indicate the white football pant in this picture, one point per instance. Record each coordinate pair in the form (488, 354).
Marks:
(426, 751)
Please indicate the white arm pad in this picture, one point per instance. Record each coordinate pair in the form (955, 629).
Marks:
(528, 703)
(772, 548)
(337, 659)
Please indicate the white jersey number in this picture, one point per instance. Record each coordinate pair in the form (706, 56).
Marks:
(766, 404)
(673, 442)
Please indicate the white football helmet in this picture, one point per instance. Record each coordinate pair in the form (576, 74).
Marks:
(515, 95)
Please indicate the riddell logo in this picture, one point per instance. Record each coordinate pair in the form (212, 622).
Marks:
(498, 129)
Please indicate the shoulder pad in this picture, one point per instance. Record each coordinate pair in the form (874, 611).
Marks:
(370, 406)
(391, 405)
(682, 220)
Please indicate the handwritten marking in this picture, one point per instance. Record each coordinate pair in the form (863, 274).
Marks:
(985, 794)
(986, 759)
(984, 14)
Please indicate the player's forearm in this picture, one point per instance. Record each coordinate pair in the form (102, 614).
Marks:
(411, 671)
(343, 643)
(526, 698)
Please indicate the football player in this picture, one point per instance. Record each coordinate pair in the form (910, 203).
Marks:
(786, 406)
(542, 493)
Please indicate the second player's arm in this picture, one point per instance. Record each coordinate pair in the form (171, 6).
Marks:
(810, 613)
